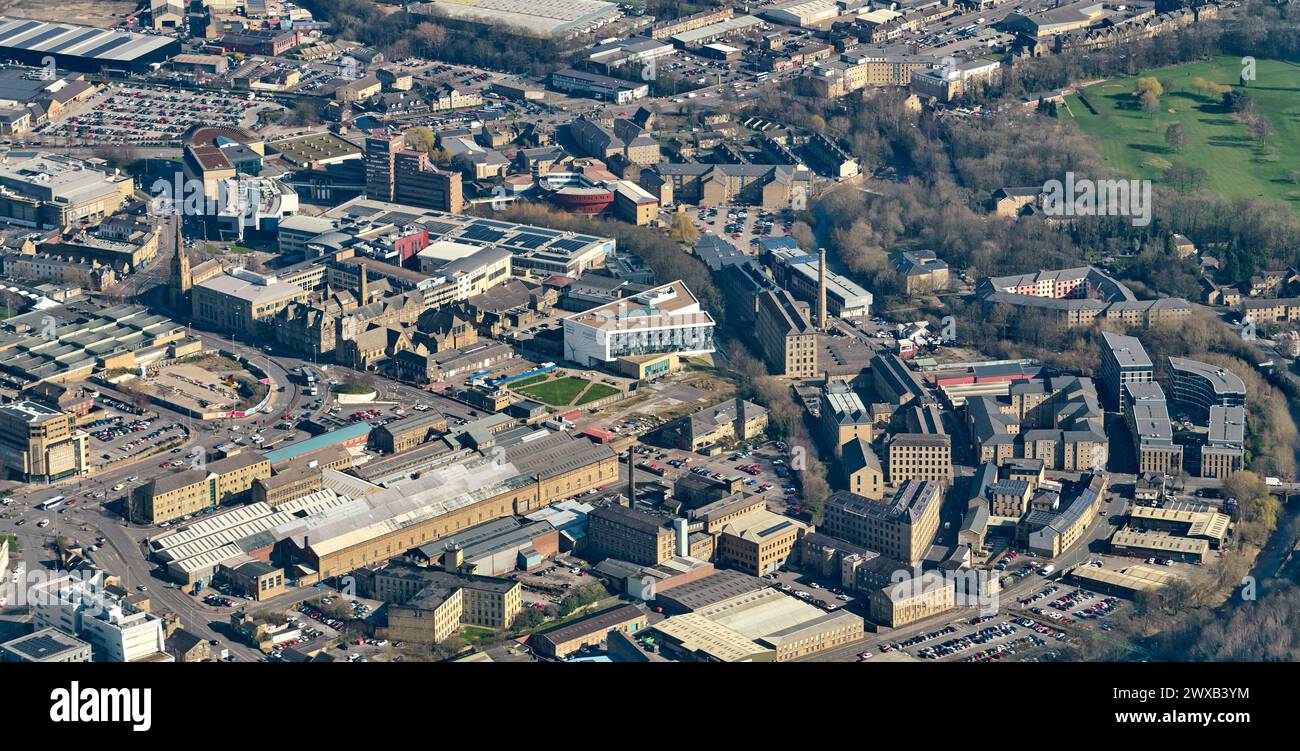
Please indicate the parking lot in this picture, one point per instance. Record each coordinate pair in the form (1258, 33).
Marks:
(147, 116)
(762, 467)
(742, 226)
(115, 437)
(823, 594)
(548, 585)
(981, 638)
(1066, 605)
(326, 618)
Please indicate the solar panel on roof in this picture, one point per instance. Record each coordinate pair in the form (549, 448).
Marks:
(363, 211)
(439, 228)
(40, 646)
(568, 244)
(44, 35)
(78, 39)
(100, 50)
(398, 217)
(498, 225)
(528, 241)
(19, 29)
(479, 232)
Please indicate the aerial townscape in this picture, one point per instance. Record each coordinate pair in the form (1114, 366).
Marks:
(870, 331)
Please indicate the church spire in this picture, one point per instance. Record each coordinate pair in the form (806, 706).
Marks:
(182, 280)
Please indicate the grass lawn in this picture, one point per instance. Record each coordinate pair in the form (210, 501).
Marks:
(597, 391)
(530, 380)
(350, 388)
(1133, 140)
(473, 634)
(557, 393)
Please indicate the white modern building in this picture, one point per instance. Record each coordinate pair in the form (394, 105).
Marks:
(604, 88)
(665, 319)
(80, 606)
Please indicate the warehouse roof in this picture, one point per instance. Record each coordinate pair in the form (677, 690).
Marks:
(716, 587)
(80, 41)
(1208, 524)
(318, 442)
(217, 538)
(544, 16)
(1159, 542)
(1135, 578)
(592, 624)
(699, 635)
(767, 615)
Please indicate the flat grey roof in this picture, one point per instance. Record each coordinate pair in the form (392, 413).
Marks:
(1227, 426)
(43, 645)
(1126, 350)
(1221, 380)
(715, 587)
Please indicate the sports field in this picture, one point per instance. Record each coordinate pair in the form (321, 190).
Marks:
(1133, 140)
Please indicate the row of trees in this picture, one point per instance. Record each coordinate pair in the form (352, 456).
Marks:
(1262, 29)
(788, 421)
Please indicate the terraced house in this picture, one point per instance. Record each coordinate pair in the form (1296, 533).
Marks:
(1079, 296)
(1281, 310)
